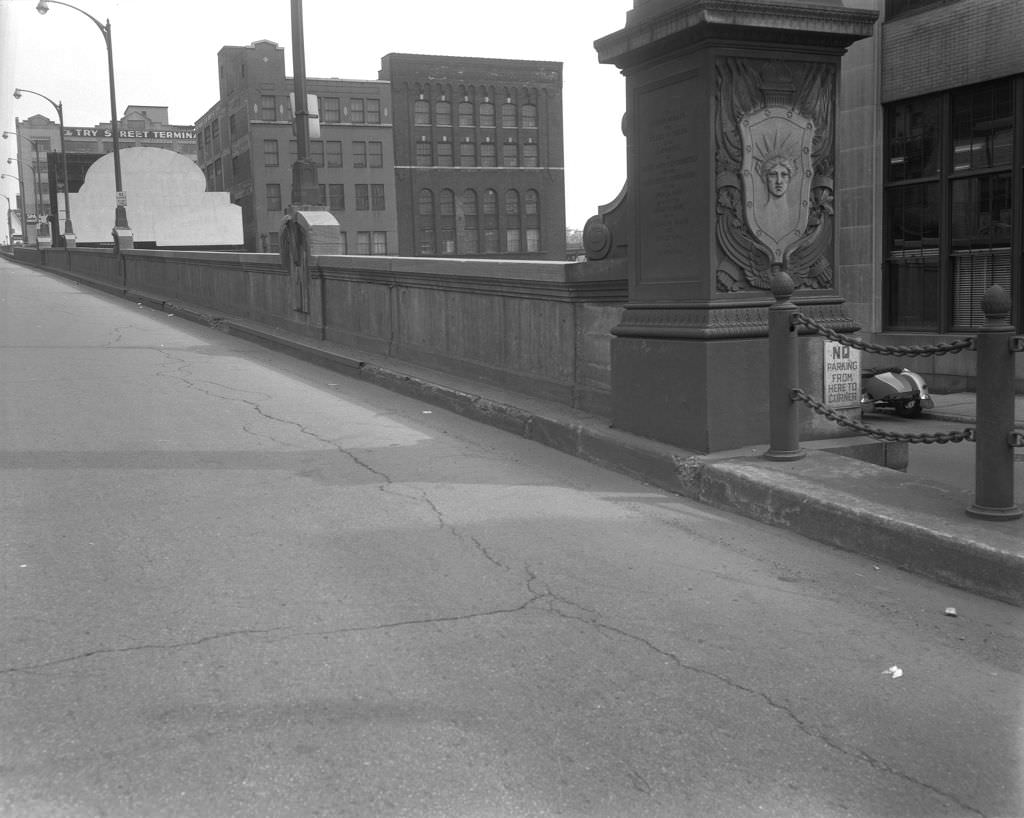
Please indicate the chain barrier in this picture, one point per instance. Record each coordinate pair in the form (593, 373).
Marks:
(856, 343)
(881, 434)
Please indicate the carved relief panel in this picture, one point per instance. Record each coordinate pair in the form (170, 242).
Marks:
(774, 164)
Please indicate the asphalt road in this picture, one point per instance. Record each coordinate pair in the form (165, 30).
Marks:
(234, 584)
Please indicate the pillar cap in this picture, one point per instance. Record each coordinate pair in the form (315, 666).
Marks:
(654, 25)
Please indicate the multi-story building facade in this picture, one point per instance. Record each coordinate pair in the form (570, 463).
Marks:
(932, 167)
(41, 163)
(247, 146)
(479, 165)
(437, 156)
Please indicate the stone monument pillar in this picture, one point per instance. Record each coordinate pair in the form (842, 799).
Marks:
(730, 125)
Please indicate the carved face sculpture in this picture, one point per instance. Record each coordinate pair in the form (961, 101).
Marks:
(778, 173)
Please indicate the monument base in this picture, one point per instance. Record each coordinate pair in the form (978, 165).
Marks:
(709, 395)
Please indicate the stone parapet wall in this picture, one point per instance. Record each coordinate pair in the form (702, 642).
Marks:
(539, 328)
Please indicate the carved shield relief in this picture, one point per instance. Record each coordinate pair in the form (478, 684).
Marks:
(777, 176)
(774, 150)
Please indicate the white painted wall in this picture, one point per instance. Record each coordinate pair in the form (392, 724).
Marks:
(167, 202)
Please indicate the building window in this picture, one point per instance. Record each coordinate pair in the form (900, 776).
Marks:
(271, 154)
(362, 197)
(425, 223)
(894, 8)
(336, 197)
(376, 154)
(443, 113)
(424, 158)
(528, 116)
(949, 207)
(466, 115)
(488, 155)
(333, 154)
(377, 197)
(531, 217)
(530, 154)
(316, 152)
(373, 111)
(268, 108)
(444, 154)
(486, 114)
(363, 243)
(330, 109)
(343, 247)
(357, 110)
(359, 154)
(421, 112)
(380, 243)
(446, 212)
(322, 192)
(512, 222)
(509, 115)
(490, 221)
(469, 240)
(510, 155)
(273, 197)
(467, 154)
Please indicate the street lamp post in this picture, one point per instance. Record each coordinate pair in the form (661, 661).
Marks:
(69, 231)
(22, 210)
(10, 235)
(21, 186)
(121, 232)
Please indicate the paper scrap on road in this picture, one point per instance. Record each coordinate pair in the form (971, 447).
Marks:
(895, 671)
(950, 612)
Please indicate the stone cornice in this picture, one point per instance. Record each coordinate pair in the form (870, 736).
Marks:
(655, 22)
(719, 322)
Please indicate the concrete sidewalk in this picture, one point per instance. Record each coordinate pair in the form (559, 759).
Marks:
(916, 525)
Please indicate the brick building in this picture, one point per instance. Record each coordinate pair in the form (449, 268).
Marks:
(931, 169)
(437, 156)
(247, 146)
(479, 167)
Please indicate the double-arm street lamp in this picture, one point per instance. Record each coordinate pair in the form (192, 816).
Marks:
(122, 233)
(69, 231)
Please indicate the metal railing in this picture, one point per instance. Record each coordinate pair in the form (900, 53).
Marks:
(993, 435)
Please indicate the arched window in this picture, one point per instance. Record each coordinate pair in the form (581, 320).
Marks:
(490, 221)
(421, 112)
(469, 235)
(531, 207)
(443, 113)
(425, 244)
(486, 114)
(509, 118)
(446, 210)
(466, 115)
(513, 222)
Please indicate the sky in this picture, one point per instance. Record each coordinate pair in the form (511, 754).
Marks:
(165, 54)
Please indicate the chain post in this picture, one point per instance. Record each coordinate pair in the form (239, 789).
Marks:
(783, 366)
(993, 465)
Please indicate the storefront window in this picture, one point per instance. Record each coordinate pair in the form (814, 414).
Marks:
(949, 207)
